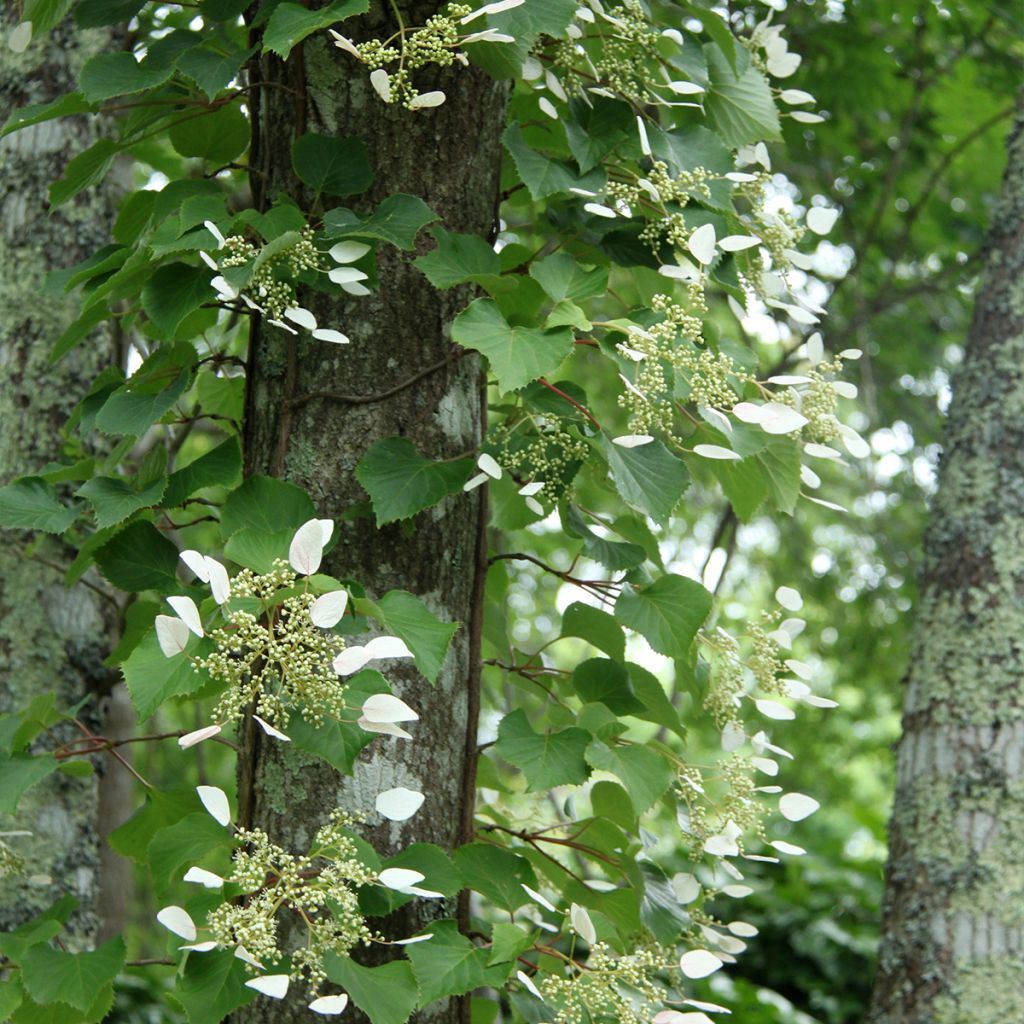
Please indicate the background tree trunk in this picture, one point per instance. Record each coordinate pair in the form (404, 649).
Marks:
(51, 638)
(450, 157)
(953, 932)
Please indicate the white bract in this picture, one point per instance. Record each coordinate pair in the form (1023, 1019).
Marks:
(215, 800)
(399, 803)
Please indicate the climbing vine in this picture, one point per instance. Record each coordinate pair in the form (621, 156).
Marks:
(622, 792)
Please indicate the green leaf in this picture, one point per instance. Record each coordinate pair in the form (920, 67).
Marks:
(649, 478)
(71, 103)
(219, 136)
(667, 613)
(337, 743)
(19, 772)
(606, 681)
(31, 1012)
(258, 549)
(543, 177)
(693, 146)
(401, 482)
(30, 503)
(212, 985)
(562, 277)
(596, 126)
(173, 850)
(597, 627)
(41, 928)
(614, 555)
(174, 291)
(152, 677)
(114, 500)
(517, 355)
(450, 965)
(427, 636)
(291, 23)
(84, 171)
(331, 165)
(96, 13)
(495, 873)
(457, 258)
(656, 705)
(780, 461)
(740, 103)
(265, 503)
(210, 69)
(744, 483)
(118, 74)
(161, 809)
(51, 975)
(139, 558)
(547, 759)
(219, 467)
(508, 941)
(11, 995)
(386, 994)
(150, 392)
(398, 220)
(435, 865)
(644, 773)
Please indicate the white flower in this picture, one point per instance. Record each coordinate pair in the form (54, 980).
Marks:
(632, 440)
(205, 878)
(307, 547)
(797, 806)
(328, 609)
(821, 219)
(301, 316)
(714, 451)
(187, 611)
(344, 43)
(348, 252)
(495, 8)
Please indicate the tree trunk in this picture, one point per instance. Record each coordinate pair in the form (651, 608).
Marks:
(450, 157)
(51, 638)
(953, 933)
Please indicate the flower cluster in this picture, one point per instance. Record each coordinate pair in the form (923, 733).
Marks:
(320, 887)
(273, 648)
(541, 450)
(438, 42)
(273, 273)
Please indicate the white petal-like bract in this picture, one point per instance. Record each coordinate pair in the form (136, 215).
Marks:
(329, 1006)
(176, 920)
(715, 451)
(203, 877)
(702, 244)
(699, 963)
(381, 83)
(273, 985)
(172, 634)
(632, 440)
(302, 317)
(789, 598)
(190, 739)
(327, 610)
(399, 878)
(270, 730)
(197, 563)
(797, 806)
(215, 800)
(821, 219)
(582, 924)
(348, 252)
(307, 548)
(220, 582)
(399, 804)
(186, 610)
(385, 707)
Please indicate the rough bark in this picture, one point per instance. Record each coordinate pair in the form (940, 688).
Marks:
(953, 932)
(51, 638)
(450, 157)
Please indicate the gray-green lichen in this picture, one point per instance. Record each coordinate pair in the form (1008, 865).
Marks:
(953, 934)
(51, 639)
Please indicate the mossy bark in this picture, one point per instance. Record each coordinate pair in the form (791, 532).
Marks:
(953, 933)
(450, 157)
(51, 638)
